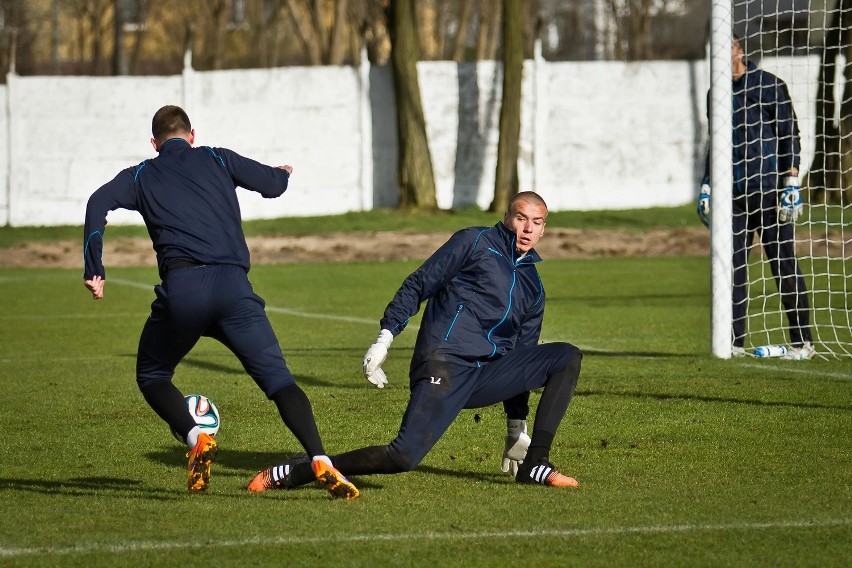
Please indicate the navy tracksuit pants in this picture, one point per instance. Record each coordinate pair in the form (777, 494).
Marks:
(213, 301)
(756, 212)
(440, 390)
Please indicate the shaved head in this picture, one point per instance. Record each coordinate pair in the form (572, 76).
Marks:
(529, 197)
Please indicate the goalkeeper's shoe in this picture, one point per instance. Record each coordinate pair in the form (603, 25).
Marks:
(200, 458)
(800, 353)
(333, 480)
(543, 473)
(277, 476)
(738, 351)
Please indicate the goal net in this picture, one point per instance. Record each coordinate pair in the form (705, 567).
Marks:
(807, 45)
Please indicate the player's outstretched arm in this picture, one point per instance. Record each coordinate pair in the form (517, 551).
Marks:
(95, 286)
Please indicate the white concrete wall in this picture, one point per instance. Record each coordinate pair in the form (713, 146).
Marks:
(621, 135)
(597, 135)
(4, 155)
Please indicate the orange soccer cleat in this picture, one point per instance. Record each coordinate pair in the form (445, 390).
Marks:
(200, 458)
(334, 481)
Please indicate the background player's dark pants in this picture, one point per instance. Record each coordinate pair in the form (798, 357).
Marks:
(218, 302)
(440, 390)
(757, 213)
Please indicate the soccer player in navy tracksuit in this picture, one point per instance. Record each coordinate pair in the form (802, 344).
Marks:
(187, 198)
(477, 346)
(765, 149)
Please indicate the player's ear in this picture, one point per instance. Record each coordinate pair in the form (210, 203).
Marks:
(191, 139)
(154, 144)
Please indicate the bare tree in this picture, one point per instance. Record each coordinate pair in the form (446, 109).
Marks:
(488, 30)
(506, 178)
(829, 178)
(369, 19)
(416, 178)
(92, 20)
(322, 28)
(429, 40)
(458, 50)
(215, 13)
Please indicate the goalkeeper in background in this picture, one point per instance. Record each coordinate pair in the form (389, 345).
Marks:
(477, 346)
(766, 197)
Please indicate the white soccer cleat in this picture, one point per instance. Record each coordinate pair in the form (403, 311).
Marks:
(738, 351)
(802, 353)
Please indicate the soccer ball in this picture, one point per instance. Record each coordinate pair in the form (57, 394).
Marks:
(204, 412)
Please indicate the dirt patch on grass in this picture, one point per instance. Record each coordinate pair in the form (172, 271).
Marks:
(384, 245)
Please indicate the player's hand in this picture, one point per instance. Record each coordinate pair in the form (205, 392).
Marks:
(375, 356)
(517, 443)
(288, 169)
(704, 205)
(790, 206)
(95, 286)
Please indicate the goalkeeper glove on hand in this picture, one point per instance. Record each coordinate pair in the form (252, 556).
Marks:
(704, 205)
(375, 356)
(791, 201)
(517, 443)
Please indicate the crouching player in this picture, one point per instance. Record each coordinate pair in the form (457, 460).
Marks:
(477, 346)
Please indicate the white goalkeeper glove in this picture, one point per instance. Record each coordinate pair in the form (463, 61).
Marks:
(704, 205)
(790, 206)
(517, 443)
(375, 356)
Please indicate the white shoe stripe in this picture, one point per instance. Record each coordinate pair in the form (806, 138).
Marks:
(540, 472)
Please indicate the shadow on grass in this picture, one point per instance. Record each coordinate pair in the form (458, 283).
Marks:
(234, 370)
(699, 398)
(471, 475)
(82, 486)
(638, 354)
(629, 299)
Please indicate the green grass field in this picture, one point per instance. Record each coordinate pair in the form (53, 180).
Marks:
(684, 460)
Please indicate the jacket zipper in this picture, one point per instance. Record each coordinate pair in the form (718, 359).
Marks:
(453, 323)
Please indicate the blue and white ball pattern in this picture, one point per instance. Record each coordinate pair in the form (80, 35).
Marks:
(204, 412)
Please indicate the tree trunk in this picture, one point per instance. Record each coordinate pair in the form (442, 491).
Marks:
(426, 16)
(506, 179)
(337, 47)
(461, 37)
(488, 29)
(120, 65)
(416, 179)
(825, 180)
(305, 32)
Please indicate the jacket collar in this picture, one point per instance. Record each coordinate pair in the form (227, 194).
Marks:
(751, 67)
(173, 144)
(507, 237)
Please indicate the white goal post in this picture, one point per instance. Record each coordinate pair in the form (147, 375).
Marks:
(805, 44)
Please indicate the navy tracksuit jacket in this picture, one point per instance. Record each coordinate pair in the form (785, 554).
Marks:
(187, 198)
(188, 201)
(483, 300)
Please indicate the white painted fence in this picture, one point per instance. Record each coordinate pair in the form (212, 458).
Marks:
(594, 135)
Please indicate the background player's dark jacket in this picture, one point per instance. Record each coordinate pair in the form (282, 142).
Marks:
(482, 300)
(187, 198)
(765, 132)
